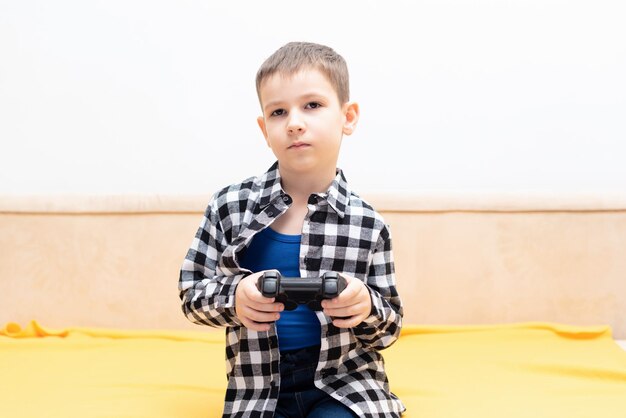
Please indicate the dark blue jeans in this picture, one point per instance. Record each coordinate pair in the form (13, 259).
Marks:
(299, 398)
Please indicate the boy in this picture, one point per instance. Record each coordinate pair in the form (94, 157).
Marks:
(301, 219)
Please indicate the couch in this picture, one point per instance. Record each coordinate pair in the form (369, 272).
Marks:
(514, 306)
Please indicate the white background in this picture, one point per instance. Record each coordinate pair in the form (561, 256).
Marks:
(141, 96)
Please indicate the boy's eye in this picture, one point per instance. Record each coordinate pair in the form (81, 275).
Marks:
(278, 112)
(313, 105)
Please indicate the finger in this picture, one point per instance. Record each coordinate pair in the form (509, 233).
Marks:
(344, 299)
(266, 307)
(256, 326)
(346, 311)
(260, 316)
(350, 322)
(255, 295)
(348, 297)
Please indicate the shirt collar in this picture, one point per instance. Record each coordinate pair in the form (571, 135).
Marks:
(337, 195)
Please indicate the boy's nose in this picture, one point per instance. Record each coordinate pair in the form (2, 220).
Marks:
(295, 129)
(295, 124)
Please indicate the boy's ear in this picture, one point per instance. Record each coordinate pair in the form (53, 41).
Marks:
(261, 121)
(351, 112)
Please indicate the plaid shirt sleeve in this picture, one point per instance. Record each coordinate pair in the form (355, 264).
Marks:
(382, 328)
(208, 298)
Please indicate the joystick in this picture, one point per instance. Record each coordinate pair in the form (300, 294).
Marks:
(292, 291)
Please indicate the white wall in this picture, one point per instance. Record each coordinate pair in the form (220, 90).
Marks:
(158, 96)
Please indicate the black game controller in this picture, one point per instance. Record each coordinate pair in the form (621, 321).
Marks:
(292, 291)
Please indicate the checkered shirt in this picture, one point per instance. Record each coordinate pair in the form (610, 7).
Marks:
(341, 233)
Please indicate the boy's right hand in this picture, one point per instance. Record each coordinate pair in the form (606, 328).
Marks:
(253, 309)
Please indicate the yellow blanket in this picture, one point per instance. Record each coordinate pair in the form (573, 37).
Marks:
(526, 370)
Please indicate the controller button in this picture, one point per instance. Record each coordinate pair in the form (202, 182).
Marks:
(269, 287)
(331, 288)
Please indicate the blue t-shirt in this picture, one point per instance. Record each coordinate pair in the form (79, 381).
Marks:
(270, 250)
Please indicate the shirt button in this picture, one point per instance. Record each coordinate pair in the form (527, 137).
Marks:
(286, 199)
(312, 200)
(270, 213)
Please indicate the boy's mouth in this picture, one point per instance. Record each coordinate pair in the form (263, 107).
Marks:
(299, 145)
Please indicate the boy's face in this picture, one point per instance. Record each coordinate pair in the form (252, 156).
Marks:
(303, 121)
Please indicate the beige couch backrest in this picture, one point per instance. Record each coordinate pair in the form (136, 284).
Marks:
(113, 261)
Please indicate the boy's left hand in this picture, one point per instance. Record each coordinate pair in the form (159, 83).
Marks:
(352, 305)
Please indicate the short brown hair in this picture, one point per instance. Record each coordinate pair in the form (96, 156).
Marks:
(294, 56)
